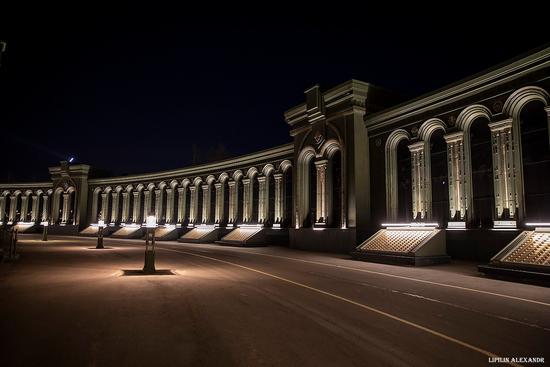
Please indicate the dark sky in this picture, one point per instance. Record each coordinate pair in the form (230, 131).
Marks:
(139, 91)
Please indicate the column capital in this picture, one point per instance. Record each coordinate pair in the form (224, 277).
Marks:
(180, 189)
(416, 147)
(262, 178)
(321, 163)
(205, 186)
(192, 188)
(454, 137)
(218, 185)
(501, 125)
(246, 181)
(231, 183)
(547, 109)
(278, 176)
(136, 193)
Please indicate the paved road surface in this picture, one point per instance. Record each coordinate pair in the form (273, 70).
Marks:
(63, 304)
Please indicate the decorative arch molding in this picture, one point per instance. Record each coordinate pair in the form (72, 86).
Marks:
(329, 148)
(140, 187)
(162, 185)
(302, 184)
(210, 179)
(197, 181)
(237, 175)
(512, 127)
(460, 162)
(268, 169)
(392, 143)
(118, 189)
(173, 184)
(285, 165)
(107, 190)
(185, 182)
(223, 177)
(129, 188)
(467, 116)
(430, 126)
(517, 100)
(251, 172)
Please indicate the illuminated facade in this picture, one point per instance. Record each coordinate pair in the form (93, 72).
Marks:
(474, 158)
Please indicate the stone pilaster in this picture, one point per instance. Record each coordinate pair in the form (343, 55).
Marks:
(182, 204)
(279, 197)
(194, 204)
(24, 208)
(104, 207)
(136, 206)
(206, 203)
(459, 177)
(13, 208)
(169, 205)
(3, 208)
(263, 199)
(159, 196)
(418, 180)
(35, 204)
(233, 200)
(219, 202)
(146, 205)
(45, 213)
(505, 170)
(125, 206)
(66, 208)
(247, 200)
(114, 206)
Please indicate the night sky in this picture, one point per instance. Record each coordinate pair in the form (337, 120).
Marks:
(134, 92)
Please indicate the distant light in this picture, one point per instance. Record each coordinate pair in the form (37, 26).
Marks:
(412, 224)
(537, 224)
(71, 159)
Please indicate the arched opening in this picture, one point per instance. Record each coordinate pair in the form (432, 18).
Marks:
(71, 207)
(404, 188)
(334, 217)
(310, 219)
(536, 161)
(255, 199)
(482, 173)
(18, 203)
(287, 198)
(240, 201)
(200, 198)
(270, 184)
(28, 209)
(439, 177)
(212, 201)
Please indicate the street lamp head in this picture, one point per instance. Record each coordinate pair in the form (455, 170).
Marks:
(45, 224)
(100, 223)
(151, 222)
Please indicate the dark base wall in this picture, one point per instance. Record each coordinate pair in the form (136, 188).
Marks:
(327, 240)
(477, 244)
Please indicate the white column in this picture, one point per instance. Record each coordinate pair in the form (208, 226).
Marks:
(322, 194)
(219, 202)
(233, 200)
(24, 208)
(114, 207)
(159, 195)
(35, 204)
(169, 205)
(146, 205)
(418, 180)
(137, 205)
(247, 200)
(182, 203)
(505, 170)
(65, 213)
(13, 208)
(263, 199)
(125, 206)
(279, 197)
(194, 205)
(206, 203)
(458, 180)
(104, 207)
(45, 214)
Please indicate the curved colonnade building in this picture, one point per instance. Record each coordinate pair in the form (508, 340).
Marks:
(469, 162)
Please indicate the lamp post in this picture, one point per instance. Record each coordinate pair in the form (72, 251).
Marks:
(45, 230)
(100, 224)
(151, 225)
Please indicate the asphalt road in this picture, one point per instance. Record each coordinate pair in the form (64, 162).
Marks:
(65, 304)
